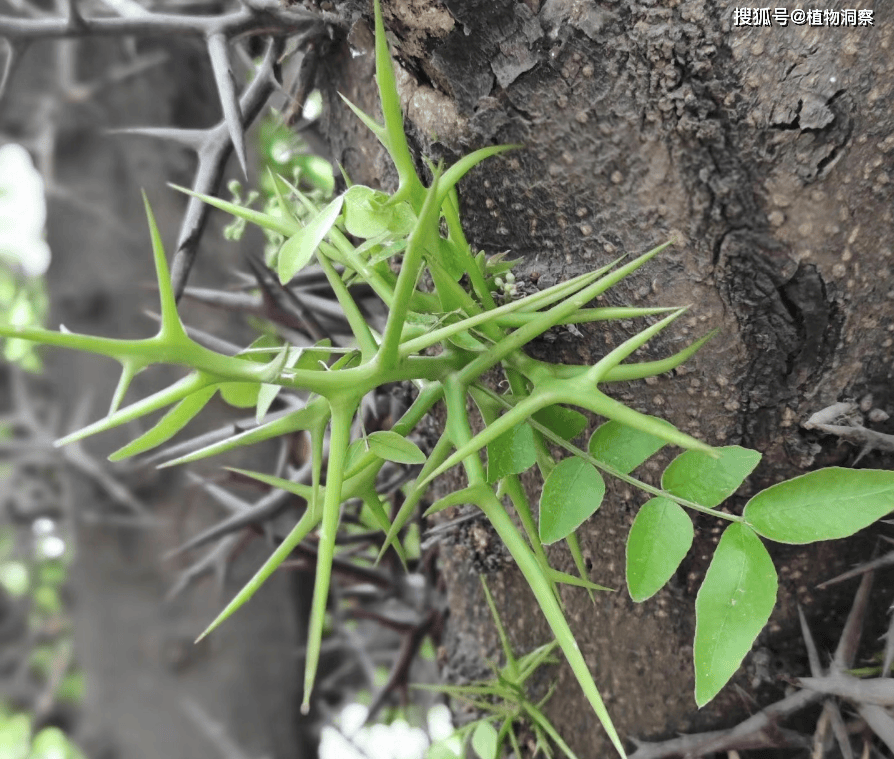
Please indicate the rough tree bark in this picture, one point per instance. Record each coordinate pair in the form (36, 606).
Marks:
(765, 152)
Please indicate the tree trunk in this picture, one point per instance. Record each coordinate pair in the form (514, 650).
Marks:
(764, 152)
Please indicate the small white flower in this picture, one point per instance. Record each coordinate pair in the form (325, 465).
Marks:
(23, 212)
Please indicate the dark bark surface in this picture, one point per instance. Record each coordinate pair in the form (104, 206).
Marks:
(767, 153)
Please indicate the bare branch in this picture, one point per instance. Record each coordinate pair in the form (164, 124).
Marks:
(226, 91)
(880, 721)
(877, 690)
(869, 566)
(816, 668)
(212, 157)
(853, 627)
(13, 55)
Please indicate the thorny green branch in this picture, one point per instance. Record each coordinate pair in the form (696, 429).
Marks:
(443, 341)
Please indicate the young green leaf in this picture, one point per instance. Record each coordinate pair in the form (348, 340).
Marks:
(511, 453)
(484, 740)
(571, 494)
(368, 213)
(314, 357)
(623, 447)
(300, 247)
(240, 394)
(451, 258)
(565, 422)
(168, 426)
(823, 505)
(266, 395)
(732, 607)
(390, 446)
(659, 539)
(709, 481)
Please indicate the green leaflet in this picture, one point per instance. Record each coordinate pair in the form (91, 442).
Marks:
(565, 422)
(393, 447)
(370, 213)
(571, 494)
(659, 539)
(623, 447)
(298, 249)
(732, 607)
(484, 741)
(450, 258)
(709, 481)
(823, 505)
(240, 394)
(513, 452)
(168, 426)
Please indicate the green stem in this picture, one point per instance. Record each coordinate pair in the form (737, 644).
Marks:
(409, 274)
(461, 434)
(365, 339)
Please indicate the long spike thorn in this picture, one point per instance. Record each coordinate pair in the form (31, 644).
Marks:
(624, 372)
(374, 126)
(171, 327)
(115, 348)
(226, 90)
(212, 156)
(273, 223)
(193, 139)
(539, 399)
(617, 355)
(816, 669)
(543, 590)
(464, 165)
(601, 404)
(338, 446)
(889, 648)
(396, 138)
(168, 426)
(129, 370)
(302, 419)
(169, 395)
(298, 533)
(14, 53)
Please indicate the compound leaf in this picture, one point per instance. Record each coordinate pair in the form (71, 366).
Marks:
(571, 494)
(697, 477)
(511, 453)
(623, 447)
(659, 539)
(823, 505)
(390, 446)
(732, 607)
